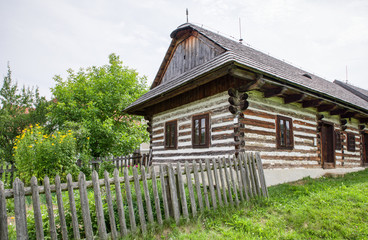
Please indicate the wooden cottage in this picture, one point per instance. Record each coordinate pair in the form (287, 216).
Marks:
(213, 97)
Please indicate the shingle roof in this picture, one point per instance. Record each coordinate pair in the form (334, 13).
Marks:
(258, 61)
(360, 92)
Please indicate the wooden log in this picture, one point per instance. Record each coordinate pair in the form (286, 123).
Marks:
(210, 184)
(223, 187)
(37, 208)
(255, 175)
(59, 197)
(120, 205)
(197, 185)
(4, 234)
(190, 189)
(233, 181)
(20, 210)
(138, 194)
(217, 183)
(85, 206)
(183, 198)
(165, 193)
(147, 195)
(173, 193)
(73, 209)
(156, 197)
(114, 232)
(238, 179)
(227, 177)
(133, 226)
(261, 175)
(99, 207)
(206, 200)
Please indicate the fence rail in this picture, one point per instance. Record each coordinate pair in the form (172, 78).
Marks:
(7, 170)
(164, 193)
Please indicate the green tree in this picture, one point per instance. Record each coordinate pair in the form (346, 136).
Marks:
(91, 101)
(18, 109)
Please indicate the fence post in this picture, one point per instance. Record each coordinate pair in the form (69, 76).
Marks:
(210, 184)
(128, 191)
(146, 195)
(156, 196)
(73, 209)
(114, 232)
(3, 215)
(64, 231)
(198, 185)
(138, 194)
(37, 208)
(173, 193)
(190, 189)
(119, 202)
(165, 193)
(20, 210)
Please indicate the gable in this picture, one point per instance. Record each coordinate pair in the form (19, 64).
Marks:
(188, 53)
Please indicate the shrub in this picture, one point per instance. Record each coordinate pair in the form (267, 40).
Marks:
(39, 154)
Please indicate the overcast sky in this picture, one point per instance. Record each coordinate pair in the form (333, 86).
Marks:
(42, 38)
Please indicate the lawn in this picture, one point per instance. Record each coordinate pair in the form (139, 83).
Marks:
(325, 208)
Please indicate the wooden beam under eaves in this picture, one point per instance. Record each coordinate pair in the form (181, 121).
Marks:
(311, 103)
(363, 120)
(294, 98)
(338, 111)
(348, 115)
(274, 92)
(326, 107)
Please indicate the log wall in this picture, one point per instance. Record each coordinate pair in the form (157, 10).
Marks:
(221, 130)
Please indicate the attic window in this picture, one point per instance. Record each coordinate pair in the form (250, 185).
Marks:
(307, 75)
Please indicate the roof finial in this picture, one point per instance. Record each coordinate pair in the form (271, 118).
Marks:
(240, 38)
(187, 15)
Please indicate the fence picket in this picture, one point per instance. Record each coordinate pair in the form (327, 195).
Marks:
(3, 216)
(114, 233)
(73, 209)
(20, 210)
(164, 193)
(217, 182)
(190, 189)
(210, 184)
(98, 204)
(156, 197)
(146, 194)
(243, 177)
(85, 206)
(239, 181)
(205, 192)
(256, 178)
(138, 194)
(183, 198)
(251, 176)
(128, 191)
(233, 181)
(119, 203)
(222, 182)
(37, 208)
(59, 197)
(227, 177)
(197, 185)
(261, 175)
(173, 193)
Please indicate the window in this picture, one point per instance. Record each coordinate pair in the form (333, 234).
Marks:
(337, 140)
(351, 142)
(171, 135)
(200, 131)
(284, 133)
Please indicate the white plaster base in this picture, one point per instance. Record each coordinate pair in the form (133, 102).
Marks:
(278, 176)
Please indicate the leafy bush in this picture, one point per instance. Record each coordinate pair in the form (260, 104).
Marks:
(38, 154)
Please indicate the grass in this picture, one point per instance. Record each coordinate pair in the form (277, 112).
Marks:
(325, 208)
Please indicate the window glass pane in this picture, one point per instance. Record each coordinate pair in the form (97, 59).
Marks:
(288, 137)
(282, 132)
(167, 135)
(172, 138)
(203, 136)
(196, 132)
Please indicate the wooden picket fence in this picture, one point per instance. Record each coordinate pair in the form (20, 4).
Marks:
(121, 162)
(217, 183)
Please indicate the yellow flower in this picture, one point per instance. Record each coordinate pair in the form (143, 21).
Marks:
(15, 147)
(88, 138)
(52, 144)
(30, 146)
(39, 132)
(58, 132)
(69, 130)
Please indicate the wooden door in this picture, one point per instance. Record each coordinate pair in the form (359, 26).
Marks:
(328, 147)
(365, 149)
